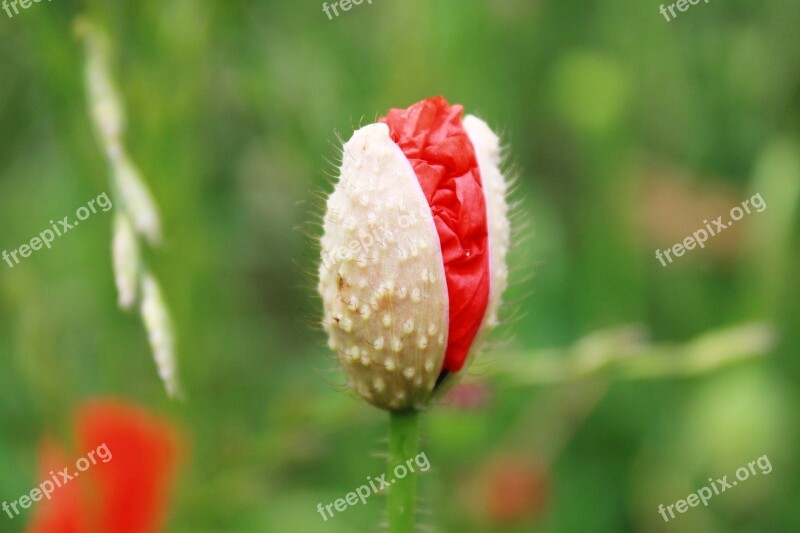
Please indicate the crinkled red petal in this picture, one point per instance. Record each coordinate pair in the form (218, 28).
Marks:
(434, 140)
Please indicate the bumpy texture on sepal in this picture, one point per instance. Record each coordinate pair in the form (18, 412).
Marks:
(381, 277)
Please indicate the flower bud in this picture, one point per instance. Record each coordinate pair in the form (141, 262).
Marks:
(413, 252)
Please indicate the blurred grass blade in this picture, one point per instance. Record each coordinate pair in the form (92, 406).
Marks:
(622, 354)
(136, 210)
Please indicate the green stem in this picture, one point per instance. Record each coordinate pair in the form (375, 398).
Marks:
(620, 354)
(402, 495)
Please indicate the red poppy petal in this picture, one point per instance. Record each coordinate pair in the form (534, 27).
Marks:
(133, 486)
(432, 137)
(63, 511)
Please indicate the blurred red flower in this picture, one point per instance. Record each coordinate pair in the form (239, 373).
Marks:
(516, 490)
(127, 494)
(507, 489)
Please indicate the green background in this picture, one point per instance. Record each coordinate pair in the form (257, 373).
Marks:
(625, 132)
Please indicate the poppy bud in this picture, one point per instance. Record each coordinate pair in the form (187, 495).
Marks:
(413, 252)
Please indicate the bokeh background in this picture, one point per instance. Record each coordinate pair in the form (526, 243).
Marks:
(625, 132)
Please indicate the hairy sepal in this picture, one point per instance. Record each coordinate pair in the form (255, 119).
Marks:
(382, 277)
